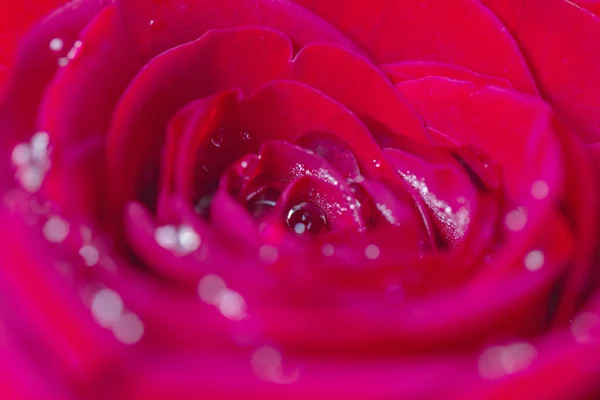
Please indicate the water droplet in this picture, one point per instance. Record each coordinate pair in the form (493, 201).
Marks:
(268, 253)
(306, 217)
(583, 326)
(107, 307)
(166, 236)
(90, 255)
(39, 145)
(244, 164)
(534, 260)
(188, 239)
(210, 288)
(377, 163)
(217, 140)
(75, 50)
(262, 202)
(328, 250)
(30, 177)
(56, 44)
(55, 230)
(515, 220)
(266, 362)
(372, 252)
(245, 135)
(539, 190)
(128, 329)
(21, 154)
(498, 361)
(232, 305)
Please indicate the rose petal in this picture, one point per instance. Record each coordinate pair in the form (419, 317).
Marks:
(422, 30)
(513, 129)
(160, 25)
(557, 37)
(400, 72)
(35, 66)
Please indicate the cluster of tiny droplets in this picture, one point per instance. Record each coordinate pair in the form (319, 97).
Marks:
(106, 305)
(32, 161)
(458, 220)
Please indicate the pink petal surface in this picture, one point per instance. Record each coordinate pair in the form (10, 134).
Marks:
(558, 38)
(395, 31)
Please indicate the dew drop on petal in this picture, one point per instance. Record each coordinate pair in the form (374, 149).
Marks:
(189, 240)
(56, 44)
(534, 260)
(261, 203)
(128, 328)
(30, 177)
(245, 135)
(372, 252)
(210, 288)
(107, 307)
(266, 362)
(498, 361)
(232, 305)
(515, 220)
(539, 190)
(583, 325)
(166, 236)
(21, 154)
(268, 254)
(306, 217)
(55, 230)
(39, 144)
(217, 140)
(328, 250)
(75, 50)
(377, 163)
(90, 255)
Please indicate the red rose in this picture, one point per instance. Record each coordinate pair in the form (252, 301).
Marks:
(357, 199)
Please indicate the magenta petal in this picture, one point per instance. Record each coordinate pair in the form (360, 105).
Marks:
(160, 25)
(260, 56)
(75, 107)
(380, 206)
(515, 130)
(460, 32)
(333, 150)
(177, 263)
(566, 70)
(35, 67)
(360, 86)
(445, 189)
(229, 217)
(407, 70)
(47, 306)
(340, 209)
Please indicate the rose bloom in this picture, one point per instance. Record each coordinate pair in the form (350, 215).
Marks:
(299, 199)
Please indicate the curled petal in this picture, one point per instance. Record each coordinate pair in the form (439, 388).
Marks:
(422, 30)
